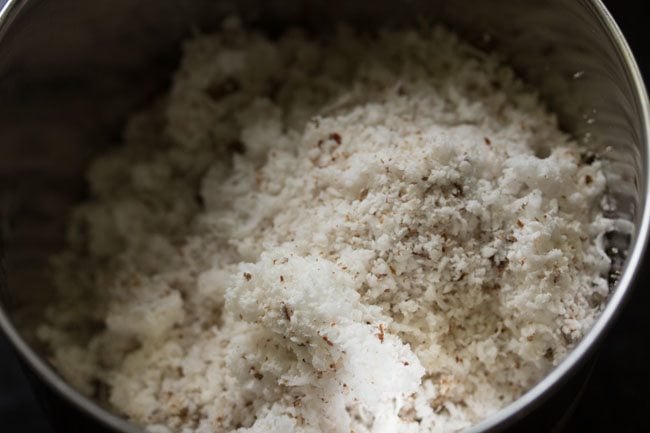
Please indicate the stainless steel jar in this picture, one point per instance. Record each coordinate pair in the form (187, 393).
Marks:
(71, 71)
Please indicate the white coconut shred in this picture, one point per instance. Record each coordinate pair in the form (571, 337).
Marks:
(330, 235)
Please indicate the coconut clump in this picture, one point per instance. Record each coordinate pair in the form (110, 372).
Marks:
(342, 234)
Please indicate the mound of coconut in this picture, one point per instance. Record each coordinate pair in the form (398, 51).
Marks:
(350, 233)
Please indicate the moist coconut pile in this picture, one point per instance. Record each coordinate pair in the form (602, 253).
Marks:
(380, 233)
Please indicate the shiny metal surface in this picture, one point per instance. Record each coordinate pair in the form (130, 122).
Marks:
(71, 71)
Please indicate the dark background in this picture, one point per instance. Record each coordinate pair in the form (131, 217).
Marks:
(617, 397)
